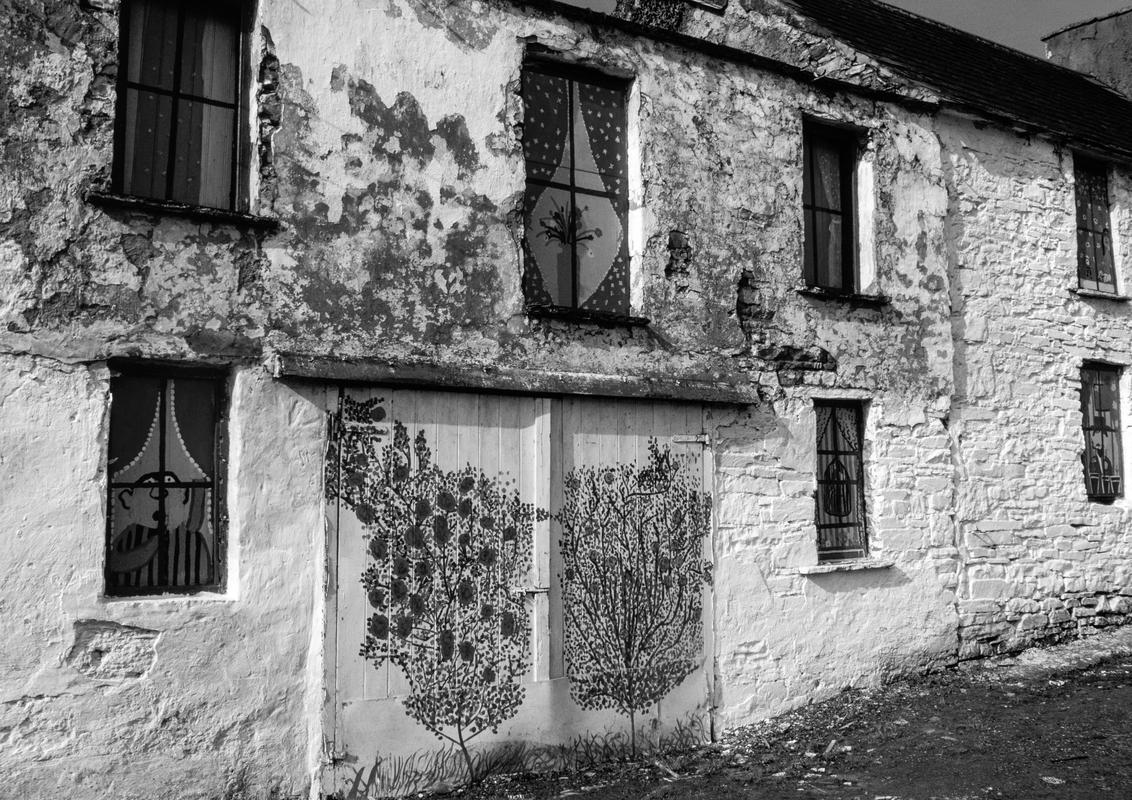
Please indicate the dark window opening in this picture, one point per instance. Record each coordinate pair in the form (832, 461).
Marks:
(164, 503)
(576, 247)
(179, 103)
(1096, 268)
(830, 160)
(842, 532)
(1100, 411)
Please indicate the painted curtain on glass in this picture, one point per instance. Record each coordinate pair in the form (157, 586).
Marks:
(576, 208)
(162, 505)
(180, 101)
(840, 496)
(1095, 266)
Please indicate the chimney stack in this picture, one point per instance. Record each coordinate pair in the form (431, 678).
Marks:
(1099, 47)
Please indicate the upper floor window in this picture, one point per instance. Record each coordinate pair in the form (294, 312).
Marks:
(577, 203)
(1100, 413)
(830, 159)
(177, 136)
(842, 530)
(1096, 269)
(165, 483)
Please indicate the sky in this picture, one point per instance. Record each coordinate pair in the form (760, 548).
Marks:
(1016, 23)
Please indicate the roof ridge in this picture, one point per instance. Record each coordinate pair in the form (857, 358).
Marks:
(1014, 52)
(1084, 22)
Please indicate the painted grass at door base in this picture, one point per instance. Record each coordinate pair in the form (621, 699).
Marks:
(428, 770)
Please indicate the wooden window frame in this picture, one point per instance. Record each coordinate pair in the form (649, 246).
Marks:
(241, 152)
(828, 555)
(1087, 167)
(847, 141)
(1102, 486)
(573, 74)
(219, 482)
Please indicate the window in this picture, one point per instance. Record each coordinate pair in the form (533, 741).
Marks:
(163, 530)
(830, 157)
(179, 102)
(841, 481)
(1100, 419)
(1095, 267)
(576, 211)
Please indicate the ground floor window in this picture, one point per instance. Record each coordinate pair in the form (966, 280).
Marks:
(1100, 412)
(164, 501)
(841, 524)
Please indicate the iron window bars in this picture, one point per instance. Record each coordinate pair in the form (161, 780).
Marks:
(575, 138)
(165, 521)
(1096, 269)
(1100, 412)
(177, 133)
(829, 163)
(841, 524)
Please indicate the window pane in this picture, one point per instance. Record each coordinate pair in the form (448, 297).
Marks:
(1103, 455)
(191, 541)
(600, 244)
(135, 539)
(826, 165)
(546, 126)
(600, 135)
(135, 407)
(190, 438)
(152, 46)
(203, 168)
(149, 119)
(828, 243)
(551, 227)
(209, 58)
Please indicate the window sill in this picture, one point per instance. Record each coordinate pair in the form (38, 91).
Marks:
(580, 315)
(200, 213)
(851, 298)
(849, 565)
(1093, 293)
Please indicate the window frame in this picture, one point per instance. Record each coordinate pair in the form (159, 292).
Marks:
(165, 372)
(239, 193)
(547, 64)
(828, 555)
(1085, 166)
(848, 142)
(1116, 431)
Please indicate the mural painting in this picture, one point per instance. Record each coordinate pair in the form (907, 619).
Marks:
(449, 548)
(434, 500)
(634, 574)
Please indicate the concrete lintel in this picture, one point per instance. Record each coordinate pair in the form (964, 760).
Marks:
(509, 380)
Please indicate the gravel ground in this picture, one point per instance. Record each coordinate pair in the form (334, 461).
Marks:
(1052, 723)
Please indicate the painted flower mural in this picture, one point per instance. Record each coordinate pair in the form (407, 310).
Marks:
(633, 579)
(448, 549)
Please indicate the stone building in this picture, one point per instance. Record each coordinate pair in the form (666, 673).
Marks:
(397, 388)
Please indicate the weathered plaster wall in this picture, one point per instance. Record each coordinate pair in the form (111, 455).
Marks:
(203, 697)
(1040, 561)
(1102, 48)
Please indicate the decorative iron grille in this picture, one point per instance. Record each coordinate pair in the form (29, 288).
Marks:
(163, 528)
(841, 524)
(1096, 269)
(1100, 411)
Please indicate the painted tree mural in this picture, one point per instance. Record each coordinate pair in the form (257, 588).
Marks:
(632, 549)
(449, 548)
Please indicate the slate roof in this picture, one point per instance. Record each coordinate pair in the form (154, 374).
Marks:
(978, 75)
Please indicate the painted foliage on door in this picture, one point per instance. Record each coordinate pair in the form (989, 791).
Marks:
(633, 579)
(519, 582)
(448, 548)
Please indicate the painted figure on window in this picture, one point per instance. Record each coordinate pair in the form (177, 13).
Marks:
(161, 500)
(577, 202)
